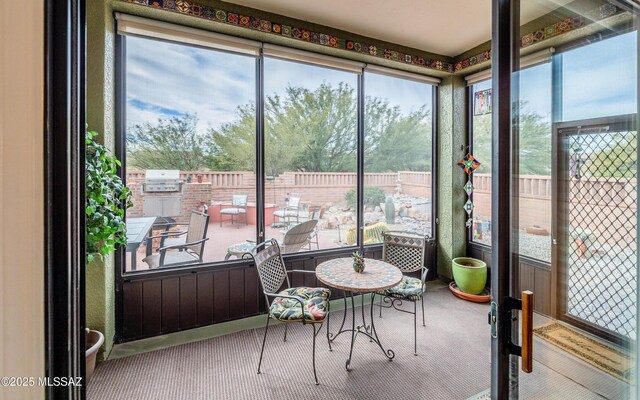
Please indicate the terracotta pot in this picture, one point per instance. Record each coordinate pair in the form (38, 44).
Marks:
(470, 274)
(94, 341)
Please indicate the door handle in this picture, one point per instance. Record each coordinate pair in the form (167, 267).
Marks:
(527, 331)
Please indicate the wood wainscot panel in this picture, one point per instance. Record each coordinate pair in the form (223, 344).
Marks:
(132, 317)
(205, 298)
(188, 301)
(544, 292)
(151, 313)
(220, 296)
(236, 293)
(252, 291)
(170, 304)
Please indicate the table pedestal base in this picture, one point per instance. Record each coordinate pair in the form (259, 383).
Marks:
(364, 329)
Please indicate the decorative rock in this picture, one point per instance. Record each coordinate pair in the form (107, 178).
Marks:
(537, 230)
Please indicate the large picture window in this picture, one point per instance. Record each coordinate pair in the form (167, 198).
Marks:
(196, 131)
(311, 130)
(585, 91)
(190, 146)
(534, 179)
(398, 156)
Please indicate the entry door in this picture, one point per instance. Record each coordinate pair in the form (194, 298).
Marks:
(596, 229)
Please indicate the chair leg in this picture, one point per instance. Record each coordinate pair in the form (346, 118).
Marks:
(285, 332)
(264, 339)
(415, 333)
(315, 375)
(328, 316)
(423, 324)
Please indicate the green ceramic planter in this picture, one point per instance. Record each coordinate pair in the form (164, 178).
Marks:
(470, 274)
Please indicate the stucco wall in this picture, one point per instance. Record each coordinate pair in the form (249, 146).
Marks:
(100, 285)
(450, 195)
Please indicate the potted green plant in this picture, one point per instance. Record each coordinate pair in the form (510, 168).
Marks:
(470, 274)
(107, 199)
(358, 262)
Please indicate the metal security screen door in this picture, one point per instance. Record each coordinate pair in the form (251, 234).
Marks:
(596, 226)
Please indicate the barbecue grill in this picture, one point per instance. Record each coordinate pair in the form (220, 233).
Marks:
(162, 181)
(162, 191)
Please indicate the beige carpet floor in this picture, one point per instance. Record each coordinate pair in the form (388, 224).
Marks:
(453, 363)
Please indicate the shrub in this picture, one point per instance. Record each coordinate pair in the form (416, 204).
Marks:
(373, 196)
(106, 202)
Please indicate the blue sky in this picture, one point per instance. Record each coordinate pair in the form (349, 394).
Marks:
(598, 80)
(165, 79)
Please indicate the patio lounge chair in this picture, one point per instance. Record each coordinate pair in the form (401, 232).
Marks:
(237, 209)
(313, 236)
(189, 252)
(291, 211)
(305, 305)
(299, 236)
(405, 250)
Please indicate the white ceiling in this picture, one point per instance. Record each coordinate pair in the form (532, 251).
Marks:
(447, 27)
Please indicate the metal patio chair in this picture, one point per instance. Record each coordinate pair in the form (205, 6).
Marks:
(237, 209)
(188, 252)
(291, 211)
(405, 250)
(305, 305)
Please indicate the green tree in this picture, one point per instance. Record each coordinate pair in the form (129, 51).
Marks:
(396, 142)
(316, 131)
(171, 143)
(535, 142)
(617, 159)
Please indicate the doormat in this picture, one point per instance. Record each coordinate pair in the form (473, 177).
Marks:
(611, 359)
(484, 395)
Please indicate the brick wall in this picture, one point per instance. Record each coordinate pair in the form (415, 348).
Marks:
(596, 200)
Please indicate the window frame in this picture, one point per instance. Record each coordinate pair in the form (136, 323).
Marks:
(556, 61)
(120, 152)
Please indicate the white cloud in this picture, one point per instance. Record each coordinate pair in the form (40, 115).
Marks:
(164, 76)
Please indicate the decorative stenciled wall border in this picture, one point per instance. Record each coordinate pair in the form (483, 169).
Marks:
(558, 28)
(263, 25)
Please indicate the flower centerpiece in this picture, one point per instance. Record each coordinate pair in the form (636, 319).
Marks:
(358, 262)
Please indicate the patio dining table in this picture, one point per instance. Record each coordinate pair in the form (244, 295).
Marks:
(137, 231)
(378, 275)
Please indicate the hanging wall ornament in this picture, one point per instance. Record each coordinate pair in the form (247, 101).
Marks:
(469, 164)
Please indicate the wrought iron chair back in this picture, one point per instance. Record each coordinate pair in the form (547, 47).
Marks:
(273, 274)
(271, 268)
(405, 250)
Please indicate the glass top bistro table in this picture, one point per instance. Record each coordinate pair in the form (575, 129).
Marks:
(377, 275)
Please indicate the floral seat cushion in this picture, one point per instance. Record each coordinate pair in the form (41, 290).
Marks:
(316, 303)
(408, 289)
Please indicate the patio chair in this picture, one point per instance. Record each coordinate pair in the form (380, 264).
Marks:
(313, 236)
(292, 210)
(188, 252)
(405, 250)
(299, 236)
(237, 209)
(172, 238)
(305, 305)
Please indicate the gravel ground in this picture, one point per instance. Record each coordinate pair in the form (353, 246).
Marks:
(534, 246)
